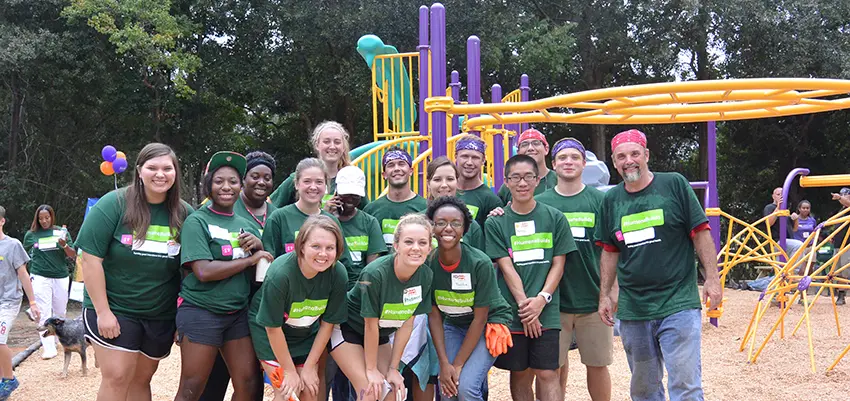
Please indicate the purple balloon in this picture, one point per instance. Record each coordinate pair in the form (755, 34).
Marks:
(108, 153)
(119, 165)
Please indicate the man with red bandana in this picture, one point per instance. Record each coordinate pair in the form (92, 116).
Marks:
(532, 143)
(650, 225)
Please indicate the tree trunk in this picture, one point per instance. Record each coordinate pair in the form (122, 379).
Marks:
(599, 142)
(17, 107)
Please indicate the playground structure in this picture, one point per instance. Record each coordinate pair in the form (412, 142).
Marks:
(428, 128)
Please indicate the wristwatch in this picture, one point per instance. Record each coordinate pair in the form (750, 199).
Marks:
(547, 296)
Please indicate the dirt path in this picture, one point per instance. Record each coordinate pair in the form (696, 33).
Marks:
(782, 371)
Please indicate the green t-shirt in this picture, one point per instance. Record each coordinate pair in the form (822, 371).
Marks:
(285, 193)
(47, 258)
(282, 228)
(257, 222)
(363, 237)
(656, 270)
(380, 294)
(207, 235)
(579, 288)
(480, 201)
(295, 303)
(471, 285)
(142, 277)
(531, 241)
(388, 213)
(549, 181)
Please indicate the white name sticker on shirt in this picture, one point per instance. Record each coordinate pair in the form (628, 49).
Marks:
(524, 228)
(412, 295)
(639, 235)
(805, 235)
(578, 232)
(461, 281)
(58, 233)
(388, 238)
(173, 248)
(528, 255)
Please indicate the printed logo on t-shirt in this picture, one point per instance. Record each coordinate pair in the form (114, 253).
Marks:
(472, 210)
(388, 227)
(227, 250)
(394, 315)
(529, 248)
(47, 243)
(155, 243)
(454, 303)
(304, 314)
(580, 222)
(639, 228)
(288, 247)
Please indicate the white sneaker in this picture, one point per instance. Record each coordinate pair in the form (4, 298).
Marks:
(48, 345)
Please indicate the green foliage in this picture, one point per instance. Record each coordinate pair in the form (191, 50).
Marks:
(206, 75)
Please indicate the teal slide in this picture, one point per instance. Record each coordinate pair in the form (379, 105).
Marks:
(395, 73)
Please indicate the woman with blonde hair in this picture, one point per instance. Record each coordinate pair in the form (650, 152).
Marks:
(330, 141)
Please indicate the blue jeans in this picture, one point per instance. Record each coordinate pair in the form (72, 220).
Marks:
(674, 342)
(473, 377)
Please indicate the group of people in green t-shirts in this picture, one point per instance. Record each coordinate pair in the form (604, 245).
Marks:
(317, 287)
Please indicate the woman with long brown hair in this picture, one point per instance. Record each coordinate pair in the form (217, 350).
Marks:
(131, 264)
(50, 247)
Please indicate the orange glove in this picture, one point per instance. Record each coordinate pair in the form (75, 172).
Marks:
(277, 379)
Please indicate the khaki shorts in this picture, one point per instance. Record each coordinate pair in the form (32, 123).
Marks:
(594, 338)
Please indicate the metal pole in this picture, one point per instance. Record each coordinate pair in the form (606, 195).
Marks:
(713, 196)
(498, 148)
(455, 85)
(525, 92)
(473, 74)
(423, 74)
(783, 221)
(438, 77)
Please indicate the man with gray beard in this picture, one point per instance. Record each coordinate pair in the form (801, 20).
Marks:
(649, 227)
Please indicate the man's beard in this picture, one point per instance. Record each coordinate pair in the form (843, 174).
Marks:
(632, 177)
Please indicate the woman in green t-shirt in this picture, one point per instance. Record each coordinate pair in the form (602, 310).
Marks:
(50, 248)
(466, 296)
(442, 181)
(300, 288)
(330, 142)
(391, 291)
(131, 266)
(218, 249)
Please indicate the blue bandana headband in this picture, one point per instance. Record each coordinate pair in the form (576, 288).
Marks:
(396, 155)
(471, 144)
(568, 143)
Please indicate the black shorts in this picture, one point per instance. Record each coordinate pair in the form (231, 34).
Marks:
(152, 338)
(535, 353)
(344, 333)
(207, 328)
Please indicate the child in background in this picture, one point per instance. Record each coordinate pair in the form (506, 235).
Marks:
(13, 278)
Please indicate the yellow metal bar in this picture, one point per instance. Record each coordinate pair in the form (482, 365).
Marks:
(837, 180)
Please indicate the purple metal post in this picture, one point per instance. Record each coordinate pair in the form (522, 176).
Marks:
(455, 85)
(784, 205)
(498, 146)
(423, 74)
(713, 196)
(438, 77)
(525, 93)
(473, 74)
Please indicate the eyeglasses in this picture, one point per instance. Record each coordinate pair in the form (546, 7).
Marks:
(536, 143)
(529, 178)
(454, 223)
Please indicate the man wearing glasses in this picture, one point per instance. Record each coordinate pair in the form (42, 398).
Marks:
(530, 243)
(532, 143)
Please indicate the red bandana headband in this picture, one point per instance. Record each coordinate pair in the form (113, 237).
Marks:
(631, 135)
(532, 133)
